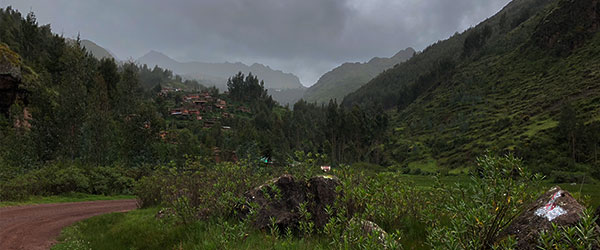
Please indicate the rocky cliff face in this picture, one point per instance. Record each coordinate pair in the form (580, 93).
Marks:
(10, 79)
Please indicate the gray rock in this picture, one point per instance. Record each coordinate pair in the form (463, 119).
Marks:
(279, 199)
(555, 206)
(368, 228)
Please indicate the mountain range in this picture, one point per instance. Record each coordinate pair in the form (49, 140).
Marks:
(349, 77)
(525, 81)
(284, 87)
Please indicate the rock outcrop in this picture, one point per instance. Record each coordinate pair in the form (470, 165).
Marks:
(10, 79)
(555, 206)
(280, 200)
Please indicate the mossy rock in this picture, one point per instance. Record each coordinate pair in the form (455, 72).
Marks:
(10, 62)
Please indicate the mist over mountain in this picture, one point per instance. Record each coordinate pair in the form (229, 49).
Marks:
(284, 87)
(349, 77)
(96, 50)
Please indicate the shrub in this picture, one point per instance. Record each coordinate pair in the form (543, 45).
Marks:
(584, 235)
(479, 211)
(60, 178)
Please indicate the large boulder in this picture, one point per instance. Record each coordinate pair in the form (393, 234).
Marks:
(555, 206)
(321, 193)
(278, 201)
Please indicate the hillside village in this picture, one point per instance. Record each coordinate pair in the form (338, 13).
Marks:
(205, 107)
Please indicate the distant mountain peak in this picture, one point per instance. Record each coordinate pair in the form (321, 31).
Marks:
(404, 53)
(96, 50)
(348, 77)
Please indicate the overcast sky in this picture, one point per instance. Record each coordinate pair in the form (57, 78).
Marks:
(304, 37)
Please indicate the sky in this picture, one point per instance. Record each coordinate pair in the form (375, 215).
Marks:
(303, 37)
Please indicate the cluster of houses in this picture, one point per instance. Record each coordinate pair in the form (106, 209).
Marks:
(197, 104)
(206, 108)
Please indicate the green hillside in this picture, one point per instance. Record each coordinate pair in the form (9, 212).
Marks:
(525, 81)
(349, 77)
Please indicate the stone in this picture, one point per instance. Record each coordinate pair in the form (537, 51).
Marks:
(368, 228)
(279, 200)
(555, 206)
(321, 193)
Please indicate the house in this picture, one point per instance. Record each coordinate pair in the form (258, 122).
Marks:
(326, 168)
(180, 112)
(243, 109)
(209, 123)
(220, 104)
(200, 102)
(189, 98)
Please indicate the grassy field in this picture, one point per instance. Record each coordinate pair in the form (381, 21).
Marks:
(72, 197)
(140, 229)
(586, 193)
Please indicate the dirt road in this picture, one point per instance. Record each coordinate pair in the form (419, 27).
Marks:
(37, 226)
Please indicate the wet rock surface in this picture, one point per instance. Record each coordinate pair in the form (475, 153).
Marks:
(555, 206)
(280, 199)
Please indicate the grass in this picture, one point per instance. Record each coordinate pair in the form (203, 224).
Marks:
(140, 230)
(537, 127)
(70, 197)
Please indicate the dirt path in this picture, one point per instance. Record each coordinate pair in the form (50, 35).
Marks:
(37, 226)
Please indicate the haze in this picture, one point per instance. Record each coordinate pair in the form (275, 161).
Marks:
(304, 37)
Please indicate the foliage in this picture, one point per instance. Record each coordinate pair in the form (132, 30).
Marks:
(584, 235)
(66, 178)
(481, 210)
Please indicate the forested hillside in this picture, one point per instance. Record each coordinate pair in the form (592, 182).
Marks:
(349, 77)
(71, 118)
(524, 81)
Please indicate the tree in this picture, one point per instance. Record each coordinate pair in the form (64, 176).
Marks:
(568, 127)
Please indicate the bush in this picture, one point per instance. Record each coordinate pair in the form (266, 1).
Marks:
(61, 178)
(481, 210)
(584, 235)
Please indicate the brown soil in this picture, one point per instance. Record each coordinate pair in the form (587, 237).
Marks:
(37, 226)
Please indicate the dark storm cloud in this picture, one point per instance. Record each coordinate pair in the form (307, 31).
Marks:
(305, 37)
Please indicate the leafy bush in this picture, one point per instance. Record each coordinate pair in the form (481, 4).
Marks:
(195, 190)
(584, 235)
(60, 178)
(479, 211)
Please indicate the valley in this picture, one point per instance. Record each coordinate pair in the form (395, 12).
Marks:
(484, 140)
